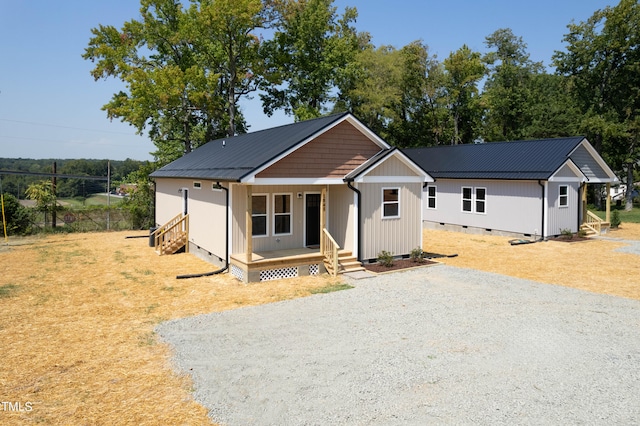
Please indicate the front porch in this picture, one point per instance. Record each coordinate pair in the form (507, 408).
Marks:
(591, 223)
(288, 263)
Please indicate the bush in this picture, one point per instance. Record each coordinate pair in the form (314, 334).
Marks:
(17, 216)
(615, 219)
(417, 255)
(385, 259)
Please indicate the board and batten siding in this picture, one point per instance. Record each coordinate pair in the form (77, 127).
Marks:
(588, 164)
(511, 206)
(397, 236)
(391, 167)
(333, 154)
(561, 218)
(270, 241)
(341, 220)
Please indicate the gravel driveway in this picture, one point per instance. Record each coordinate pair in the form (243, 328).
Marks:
(436, 345)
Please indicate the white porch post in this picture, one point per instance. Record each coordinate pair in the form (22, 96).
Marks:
(249, 224)
(584, 202)
(608, 213)
(323, 217)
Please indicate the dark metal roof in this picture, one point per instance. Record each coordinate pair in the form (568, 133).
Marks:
(526, 160)
(231, 159)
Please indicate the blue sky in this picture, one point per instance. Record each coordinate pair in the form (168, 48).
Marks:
(50, 106)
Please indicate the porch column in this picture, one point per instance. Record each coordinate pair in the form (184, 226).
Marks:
(323, 216)
(249, 224)
(584, 202)
(607, 217)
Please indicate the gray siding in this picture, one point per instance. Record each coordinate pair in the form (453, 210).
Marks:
(398, 236)
(588, 164)
(560, 218)
(511, 206)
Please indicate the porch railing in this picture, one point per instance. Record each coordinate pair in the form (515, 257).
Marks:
(593, 222)
(330, 251)
(173, 235)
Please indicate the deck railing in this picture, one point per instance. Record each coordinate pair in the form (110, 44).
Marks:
(330, 251)
(593, 222)
(172, 235)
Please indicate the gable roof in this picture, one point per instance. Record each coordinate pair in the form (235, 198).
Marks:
(518, 160)
(235, 158)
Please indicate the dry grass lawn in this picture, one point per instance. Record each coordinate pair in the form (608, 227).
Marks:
(77, 314)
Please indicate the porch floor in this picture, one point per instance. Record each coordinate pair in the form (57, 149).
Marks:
(284, 256)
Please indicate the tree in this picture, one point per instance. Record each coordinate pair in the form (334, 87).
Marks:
(17, 216)
(311, 47)
(224, 35)
(602, 60)
(42, 193)
(184, 71)
(506, 94)
(464, 70)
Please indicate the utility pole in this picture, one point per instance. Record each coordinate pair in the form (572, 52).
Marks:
(108, 195)
(53, 190)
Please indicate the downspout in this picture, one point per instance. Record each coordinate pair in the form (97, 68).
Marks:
(542, 236)
(359, 218)
(226, 248)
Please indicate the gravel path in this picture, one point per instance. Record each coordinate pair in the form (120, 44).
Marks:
(436, 345)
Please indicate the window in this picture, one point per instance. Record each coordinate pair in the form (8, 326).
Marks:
(197, 185)
(474, 200)
(259, 215)
(281, 214)
(564, 196)
(481, 195)
(390, 202)
(431, 197)
(466, 199)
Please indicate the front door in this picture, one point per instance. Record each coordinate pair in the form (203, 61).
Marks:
(312, 219)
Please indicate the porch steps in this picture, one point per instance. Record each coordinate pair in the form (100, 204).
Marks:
(589, 230)
(172, 246)
(347, 262)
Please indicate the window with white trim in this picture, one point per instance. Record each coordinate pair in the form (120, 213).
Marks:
(282, 214)
(563, 196)
(467, 201)
(197, 185)
(431, 197)
(390, 203)
(474, 200)
(481, 200)
(259, 208)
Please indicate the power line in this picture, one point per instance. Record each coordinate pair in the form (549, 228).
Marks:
(57, 175)
(65, 127)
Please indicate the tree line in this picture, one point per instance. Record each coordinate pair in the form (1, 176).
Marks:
(17, 184)
(186, 68)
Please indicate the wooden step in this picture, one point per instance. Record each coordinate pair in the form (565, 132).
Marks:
(346, 263)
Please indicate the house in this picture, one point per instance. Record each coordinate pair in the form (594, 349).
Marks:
(320, 195)
(523, 188)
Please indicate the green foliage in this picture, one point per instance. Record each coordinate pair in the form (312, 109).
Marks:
(385, 258)
(140, 202)
(17, 216)
(331, 288)
(8, 290)
(566, 233)
(417, 255)
(615, 219)
(310, 52)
